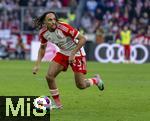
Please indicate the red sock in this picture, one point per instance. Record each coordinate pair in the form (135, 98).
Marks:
(55, 95)
(92, 81)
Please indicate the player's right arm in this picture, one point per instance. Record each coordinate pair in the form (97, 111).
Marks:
(41, 54)
(41, 51)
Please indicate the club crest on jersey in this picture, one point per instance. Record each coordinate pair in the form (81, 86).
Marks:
(59, 34)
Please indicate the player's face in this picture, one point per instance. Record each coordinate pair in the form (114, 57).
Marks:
(50, 21)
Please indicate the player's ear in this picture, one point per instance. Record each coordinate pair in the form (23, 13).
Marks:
(56, 17)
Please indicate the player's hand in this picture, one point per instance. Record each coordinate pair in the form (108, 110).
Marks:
(35, 69)
(71, 58)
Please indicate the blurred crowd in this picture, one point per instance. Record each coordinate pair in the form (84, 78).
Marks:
(10, 12)
(110, 16)
(104, 18)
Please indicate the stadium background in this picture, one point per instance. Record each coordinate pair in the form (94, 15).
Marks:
(100, 20)
(126, 97)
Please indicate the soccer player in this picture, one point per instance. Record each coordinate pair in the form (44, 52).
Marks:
(71, 43)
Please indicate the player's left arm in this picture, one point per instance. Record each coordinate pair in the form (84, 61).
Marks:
(80, 44)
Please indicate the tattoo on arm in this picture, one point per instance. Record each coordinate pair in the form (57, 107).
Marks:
(43, 46)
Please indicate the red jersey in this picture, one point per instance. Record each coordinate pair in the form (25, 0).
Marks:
(64, 37)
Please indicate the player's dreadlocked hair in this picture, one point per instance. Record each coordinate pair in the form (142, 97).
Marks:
(39, 21)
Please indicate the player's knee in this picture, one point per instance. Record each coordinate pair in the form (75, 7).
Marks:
(50, 77)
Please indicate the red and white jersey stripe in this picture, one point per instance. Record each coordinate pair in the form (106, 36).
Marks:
(64, 37)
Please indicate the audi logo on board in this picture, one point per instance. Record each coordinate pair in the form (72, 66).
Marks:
(110, 53)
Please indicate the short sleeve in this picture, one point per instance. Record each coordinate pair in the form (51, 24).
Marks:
(68, 30)
(42, 39)
(73, 33)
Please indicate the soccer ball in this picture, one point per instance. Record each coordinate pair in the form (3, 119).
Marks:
(42, 104)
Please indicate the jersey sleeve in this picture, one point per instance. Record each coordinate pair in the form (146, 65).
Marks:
(69, 30)
(42, 39)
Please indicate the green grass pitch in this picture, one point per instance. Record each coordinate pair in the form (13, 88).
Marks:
(126, 96)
